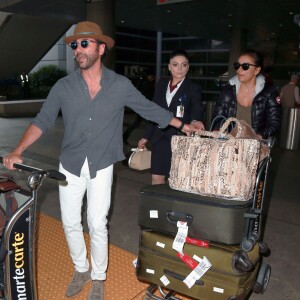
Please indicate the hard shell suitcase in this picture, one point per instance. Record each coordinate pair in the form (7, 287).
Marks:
(208, 218)
(159, 265)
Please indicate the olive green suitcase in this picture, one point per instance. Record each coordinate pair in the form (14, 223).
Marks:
(231, 276)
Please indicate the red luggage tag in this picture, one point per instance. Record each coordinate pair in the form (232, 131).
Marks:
(196, 242)
(190, 262)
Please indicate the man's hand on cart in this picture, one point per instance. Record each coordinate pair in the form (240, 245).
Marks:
(10, 159)
(11, 162)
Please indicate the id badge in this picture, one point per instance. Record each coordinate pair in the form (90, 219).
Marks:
(180, 111)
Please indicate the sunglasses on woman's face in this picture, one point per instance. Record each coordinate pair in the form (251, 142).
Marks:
(83, 44)
(245, 66)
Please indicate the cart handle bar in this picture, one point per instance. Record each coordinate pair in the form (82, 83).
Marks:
(50, 173)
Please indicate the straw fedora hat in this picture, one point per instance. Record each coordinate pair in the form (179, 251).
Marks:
(87, 29)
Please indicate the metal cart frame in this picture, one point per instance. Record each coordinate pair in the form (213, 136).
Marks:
(17, 250)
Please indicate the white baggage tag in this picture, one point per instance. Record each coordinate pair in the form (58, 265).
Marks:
(164, 280)
(153, 214)
(197, 258)
(134, 262)
(180, 236)
(197, 273)
(159, 244)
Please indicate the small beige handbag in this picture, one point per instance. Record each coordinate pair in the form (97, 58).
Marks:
(140, 159)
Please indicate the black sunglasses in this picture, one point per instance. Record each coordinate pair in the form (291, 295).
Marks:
(245, 66)
(83, 44)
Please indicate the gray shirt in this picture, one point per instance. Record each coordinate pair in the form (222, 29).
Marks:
(93, 128)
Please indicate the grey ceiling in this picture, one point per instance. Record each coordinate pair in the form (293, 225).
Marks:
(266, 22)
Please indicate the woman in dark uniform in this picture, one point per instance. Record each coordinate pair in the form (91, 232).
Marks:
(181, 96)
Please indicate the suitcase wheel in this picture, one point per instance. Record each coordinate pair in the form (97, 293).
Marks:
(263, 248)
(262, 280)
(248, 244)
(241, 262)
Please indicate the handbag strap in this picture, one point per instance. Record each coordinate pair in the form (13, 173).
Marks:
(214, 134)
(139, 149)
(225, 127)
(217, 119)
(223, 132)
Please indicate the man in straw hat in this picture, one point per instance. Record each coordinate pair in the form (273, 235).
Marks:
(92, 102)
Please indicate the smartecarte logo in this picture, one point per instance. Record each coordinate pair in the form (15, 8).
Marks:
(19, 276)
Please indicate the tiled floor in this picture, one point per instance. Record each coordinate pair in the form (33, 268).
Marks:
(55, 268)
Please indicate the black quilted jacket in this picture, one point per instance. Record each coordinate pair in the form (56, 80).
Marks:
(265, 113)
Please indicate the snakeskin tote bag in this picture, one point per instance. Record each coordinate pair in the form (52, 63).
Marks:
(215, 164)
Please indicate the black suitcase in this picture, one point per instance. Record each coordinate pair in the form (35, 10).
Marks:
(159, 264)
(214, 219)
(208, 218)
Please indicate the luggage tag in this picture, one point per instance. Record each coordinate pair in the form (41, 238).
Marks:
(180, 236)
(159, 244)
(164, 280)
(153, 214)
(134, 262)
(196, 242)
(191, 263)
(197, 273)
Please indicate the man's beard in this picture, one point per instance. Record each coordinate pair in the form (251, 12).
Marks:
(89, 60)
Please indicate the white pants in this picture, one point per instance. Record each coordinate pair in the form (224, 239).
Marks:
(98, 203)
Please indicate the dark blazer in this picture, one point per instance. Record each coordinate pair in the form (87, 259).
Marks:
(189, 95)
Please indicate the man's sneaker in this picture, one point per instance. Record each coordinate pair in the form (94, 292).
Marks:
(78, 281)
(97, 290)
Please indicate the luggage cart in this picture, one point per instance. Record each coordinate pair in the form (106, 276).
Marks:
(252, 235)
(253, 228)
(17, 246)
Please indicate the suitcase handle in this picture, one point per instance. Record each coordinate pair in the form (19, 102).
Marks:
(175, 216)
(180, 277)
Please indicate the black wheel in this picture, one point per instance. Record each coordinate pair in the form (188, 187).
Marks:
(263, 248)
(241, 262)
(248, 244)
(257, 288)
(263, 278)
